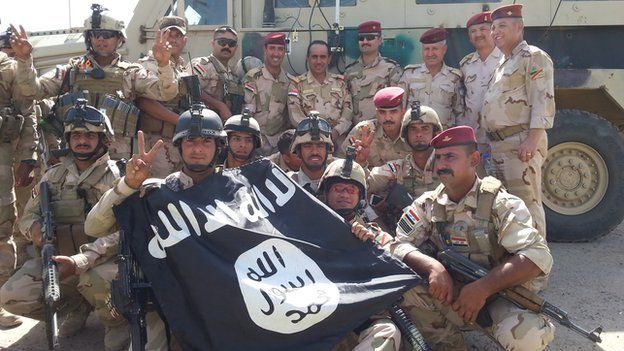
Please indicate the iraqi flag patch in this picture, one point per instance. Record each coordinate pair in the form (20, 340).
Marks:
(459, 241)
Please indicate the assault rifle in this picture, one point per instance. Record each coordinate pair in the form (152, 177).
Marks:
(129, 293)
(469, 271)
(51, 289)
(407, 328)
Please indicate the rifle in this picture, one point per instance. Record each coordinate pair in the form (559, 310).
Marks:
(129, 293)
(407, 328)
(51, 289)
(519, 295)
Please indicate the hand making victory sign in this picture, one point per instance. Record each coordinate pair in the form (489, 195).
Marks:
(362, 146)
(138, 168)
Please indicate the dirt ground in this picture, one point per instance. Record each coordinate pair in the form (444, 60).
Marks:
(586, 281)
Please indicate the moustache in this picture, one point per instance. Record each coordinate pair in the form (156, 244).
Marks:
(445, 171)
(388, 122)
(228, 50)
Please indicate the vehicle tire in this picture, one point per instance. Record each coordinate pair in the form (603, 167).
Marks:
(582, 177)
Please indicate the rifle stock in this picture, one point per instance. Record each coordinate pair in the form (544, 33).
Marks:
(519, 295)
(51, 289)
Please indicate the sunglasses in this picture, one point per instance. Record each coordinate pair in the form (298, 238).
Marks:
(227, 42)
(367, 37)
(314, 124)
(344, 188)
(103, 33)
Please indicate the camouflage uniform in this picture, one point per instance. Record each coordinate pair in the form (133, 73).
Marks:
(330, 98)
(311, 185)
(122, 80)
(168, 160)
(383, 149)
(365, 81)
(476, 75)
(520, 97)
(215, 78)
(279, 161)
(509, 230)
(405, 172)
(266, 97)
(21, 294)
(443, 92)
(18, 141)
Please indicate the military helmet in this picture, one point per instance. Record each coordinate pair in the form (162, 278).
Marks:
(420, 114)
(344, 170)
(102, 19)
(83, 117)
(244, 123)
(312, 128)
(199, 121)
(245, 65)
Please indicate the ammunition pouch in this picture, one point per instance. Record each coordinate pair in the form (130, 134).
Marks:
(10, 125)
(234, 96)
(69, 238)
(152, 125)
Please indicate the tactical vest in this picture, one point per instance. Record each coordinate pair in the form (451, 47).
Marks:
(10, 121)
(5, 65)
(483, 247)
(233, 93)
(178, 105)
(71, 202)
(416, 188)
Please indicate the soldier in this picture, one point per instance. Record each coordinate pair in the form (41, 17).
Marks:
(379, 141)
(319, 90)
(284, 158)
(222, 89)
(518, 107)
(100, 72)
(414, 171)
(243, 139)
(344, 187)
(313, 146)
(75, 185)
(18, 142)
(477, 69)
(433, 83)
(158, 120)
(266, 90)
(370, 72)
(480, 220)
(199, 148)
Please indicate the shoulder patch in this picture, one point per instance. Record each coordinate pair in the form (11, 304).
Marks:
(413, 66)
(466, 59)
(455, 71)
(337, 76)
(409, 220)
(390, 60)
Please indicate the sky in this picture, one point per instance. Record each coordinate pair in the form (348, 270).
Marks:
(57, 14)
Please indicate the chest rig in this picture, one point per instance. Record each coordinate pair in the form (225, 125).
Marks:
(11, 122)
(233, 92)
(480, 243)
(70, 203)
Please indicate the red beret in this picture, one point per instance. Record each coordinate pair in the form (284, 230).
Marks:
(370, 27)
(507, 11)
(389, 98)
(479, 18)
(275, 38)
(433, 36)
(461, 135)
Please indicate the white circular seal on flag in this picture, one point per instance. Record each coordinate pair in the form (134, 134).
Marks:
(284, 290)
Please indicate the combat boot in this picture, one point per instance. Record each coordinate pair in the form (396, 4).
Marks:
(117, 337)
(8, 320)
(75, 320)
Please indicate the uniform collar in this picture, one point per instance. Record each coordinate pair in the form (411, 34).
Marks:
(217, 62)
(311, 80)
(115, 61)
(266, 74)
(523, 44)
(470, 200)
(373, 64)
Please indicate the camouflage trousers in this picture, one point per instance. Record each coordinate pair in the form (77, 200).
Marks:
(381, 335)
(513, 327)
(523, 179)
(120, 147)
(8, 211)
(168, 159)
(22, 293)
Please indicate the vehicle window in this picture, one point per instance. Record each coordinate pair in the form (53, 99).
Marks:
(306, 3)
(450, 1)
(206, 12)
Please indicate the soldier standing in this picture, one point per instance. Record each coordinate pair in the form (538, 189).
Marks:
(478, 219)
(243, 139)
(370, 72)
(433, 83)
(266, 90)
(18, 142)
(477, 69)
(284, 158)
(379, 141)
(76, 184)
(100, 72)
(158, 120)
(319, 90)
(518, 107)
(222, 90)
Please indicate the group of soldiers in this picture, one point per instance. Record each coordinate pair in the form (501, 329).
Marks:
(359, 142)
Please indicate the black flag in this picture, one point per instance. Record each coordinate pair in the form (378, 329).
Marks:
(247, 260)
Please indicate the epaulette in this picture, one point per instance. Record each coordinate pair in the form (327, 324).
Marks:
(255, 73)
(466, 59)
(297, 79)
(390, 60)
(125, 65)
(337, 76)
(289, 76)
(114, 168)
(352, 64)
(413, 66)
(150, 184)
(455, 71)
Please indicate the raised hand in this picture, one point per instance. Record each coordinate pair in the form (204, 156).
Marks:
(362, 145)
(20, 43)
(138, 168)
(162, 49)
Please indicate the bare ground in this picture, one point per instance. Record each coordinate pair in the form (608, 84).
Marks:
(587, 281)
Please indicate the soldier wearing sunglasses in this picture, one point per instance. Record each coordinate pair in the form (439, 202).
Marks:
(370, 72)
(101, 71)
(222, 90)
